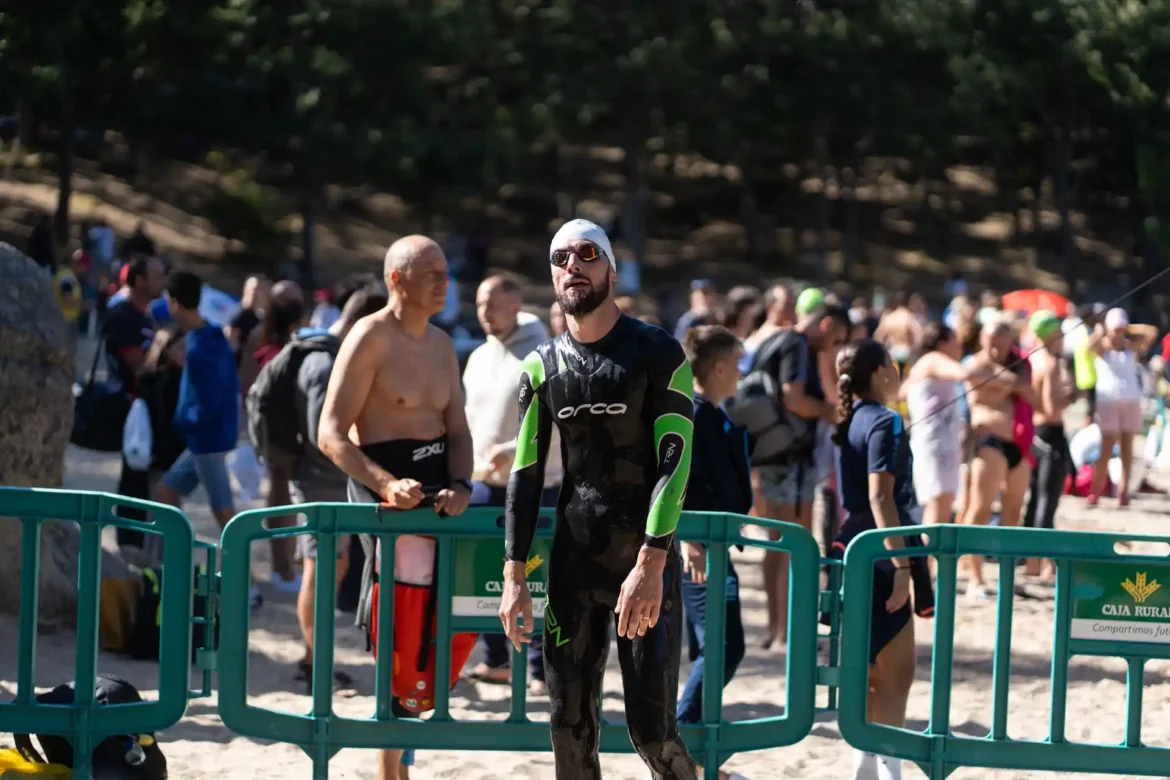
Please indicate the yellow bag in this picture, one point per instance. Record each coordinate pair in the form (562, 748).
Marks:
(1084, 365)
(13, 766)
(118, 611)
(67, 290)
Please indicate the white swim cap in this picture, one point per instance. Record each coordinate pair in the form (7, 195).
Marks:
(582, 229)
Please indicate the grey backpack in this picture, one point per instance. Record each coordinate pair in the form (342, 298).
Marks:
(758, 407)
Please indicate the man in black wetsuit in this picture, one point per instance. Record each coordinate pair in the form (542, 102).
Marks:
(620, 393)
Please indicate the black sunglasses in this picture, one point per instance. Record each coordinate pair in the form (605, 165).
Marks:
(588, 253)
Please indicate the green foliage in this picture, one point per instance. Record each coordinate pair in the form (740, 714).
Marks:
(246, 211)
(450, 98)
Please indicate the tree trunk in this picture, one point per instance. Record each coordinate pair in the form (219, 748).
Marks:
(634, 220)
(563, 183)
(749, 208)
(1063, 194)
(17, 155)
(851, 244)
(1037, 219)
(1007, 195)
(310, 204)
(64, 179)
(825, 207)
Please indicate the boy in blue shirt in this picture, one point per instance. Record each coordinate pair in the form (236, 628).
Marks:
(720, 481)
(209, 404)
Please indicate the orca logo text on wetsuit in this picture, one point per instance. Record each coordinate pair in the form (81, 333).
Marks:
(607, 409)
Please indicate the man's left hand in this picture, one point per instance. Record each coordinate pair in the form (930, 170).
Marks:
(453, 500)
(640, 599)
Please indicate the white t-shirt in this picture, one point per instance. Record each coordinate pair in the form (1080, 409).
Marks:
(1118, 376)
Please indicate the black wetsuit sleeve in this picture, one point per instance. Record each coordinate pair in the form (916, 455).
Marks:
(670, 400)
(522, 508)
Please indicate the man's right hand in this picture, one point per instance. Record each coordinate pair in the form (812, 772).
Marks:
(515, 602)
(402, 493)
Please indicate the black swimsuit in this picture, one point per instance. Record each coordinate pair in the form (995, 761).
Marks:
(1009, 449)
(623, 408)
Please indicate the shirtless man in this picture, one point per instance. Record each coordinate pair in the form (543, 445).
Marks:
(781, 313)
(999, 462)
(900, 332)
(401, 436)
(1053, 395)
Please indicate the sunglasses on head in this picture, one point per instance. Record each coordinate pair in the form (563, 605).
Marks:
(588, 253)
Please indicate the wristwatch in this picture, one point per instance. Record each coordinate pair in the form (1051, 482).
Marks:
(465, 483)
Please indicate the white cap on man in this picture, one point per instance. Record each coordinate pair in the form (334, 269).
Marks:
(582, 229)
(1116, 318)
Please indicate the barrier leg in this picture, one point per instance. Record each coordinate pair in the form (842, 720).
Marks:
(30, 576)
(713, 655)
(1064, 586)
(89, 585)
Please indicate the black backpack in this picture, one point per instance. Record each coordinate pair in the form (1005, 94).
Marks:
(272, 400)
(130, 756)
(758, 407)
(147, 619)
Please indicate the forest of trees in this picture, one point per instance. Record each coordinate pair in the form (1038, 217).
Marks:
(436, 100)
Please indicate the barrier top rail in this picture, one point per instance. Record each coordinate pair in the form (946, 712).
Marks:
(82, 722)
(322, 734)
(1107, 603)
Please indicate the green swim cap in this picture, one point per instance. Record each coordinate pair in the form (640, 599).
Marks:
(809, 299)
(1044, 324)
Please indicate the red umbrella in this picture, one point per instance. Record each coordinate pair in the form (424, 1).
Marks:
(1029, 301)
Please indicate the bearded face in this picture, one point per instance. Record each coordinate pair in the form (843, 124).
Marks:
(581, 278)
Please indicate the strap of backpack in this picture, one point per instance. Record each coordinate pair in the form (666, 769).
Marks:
(97, 355)
(24, 746)
(770, 348)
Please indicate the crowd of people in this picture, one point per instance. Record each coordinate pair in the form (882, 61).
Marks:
(891, 418)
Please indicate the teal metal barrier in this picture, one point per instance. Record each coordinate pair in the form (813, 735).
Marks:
(829, 675)
(83, 722)
(321, 733)
(206, 586)
(1107, 604)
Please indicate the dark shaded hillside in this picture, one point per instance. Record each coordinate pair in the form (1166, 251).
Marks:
(882, 231)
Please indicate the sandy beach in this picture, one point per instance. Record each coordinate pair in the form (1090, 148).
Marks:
(200, 746)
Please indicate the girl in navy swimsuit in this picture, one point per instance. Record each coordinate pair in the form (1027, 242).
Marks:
(876, 491)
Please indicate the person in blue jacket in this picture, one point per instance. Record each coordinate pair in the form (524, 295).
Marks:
(720, 481)
(207, 416)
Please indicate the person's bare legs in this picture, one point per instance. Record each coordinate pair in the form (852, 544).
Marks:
(890, 678)
(222, 516)
(1101, 467)
(1125, 442)
(283, 549)
(306, 598)
(773, 561)
(390, 765)
(988, 470)
(937, 510)
(170, 497)
(1014, 490)
(776, 567)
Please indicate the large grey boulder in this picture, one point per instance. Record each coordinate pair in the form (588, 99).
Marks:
(36, 416)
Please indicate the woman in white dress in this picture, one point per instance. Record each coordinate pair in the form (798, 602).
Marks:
(936, 427)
